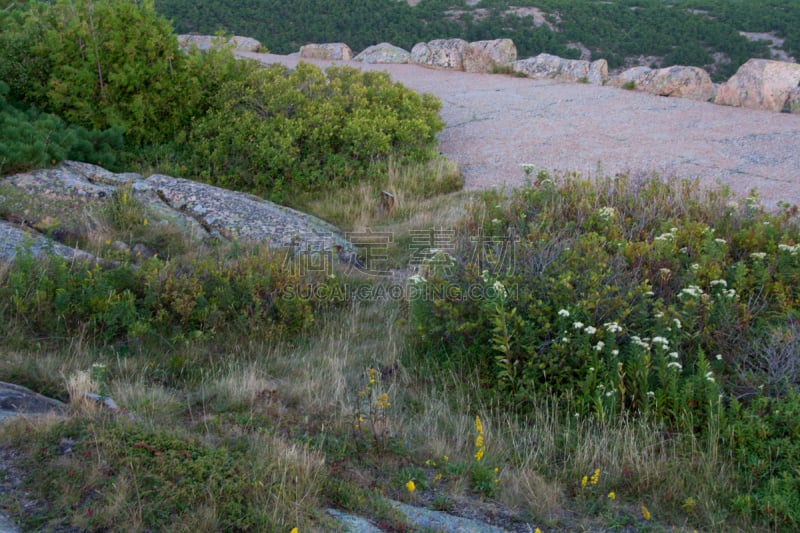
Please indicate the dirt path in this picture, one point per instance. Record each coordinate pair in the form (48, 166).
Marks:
(496, 123)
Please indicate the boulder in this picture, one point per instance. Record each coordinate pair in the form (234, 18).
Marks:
(384, 53)
(598, 72)
(762, 84)
(335, 51)
(441, 53)
(547, 66)
(206, 42)
(693, 83)
(632, 75)
(485, 56)
(201, 212)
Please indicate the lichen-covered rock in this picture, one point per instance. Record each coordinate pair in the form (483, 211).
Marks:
(334, 51)
(384, 53)
(206, 42)
(693, 83)
(762, 84)
(547, 66)
(197, 210)
(485, 56)
(598, 72)
(440, 53)
(632, 75)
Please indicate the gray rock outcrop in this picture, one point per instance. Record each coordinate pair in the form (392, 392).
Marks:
(201, 212)
(762, 84)
(440, 53)
(547, 66)
(333, 51)
(206, 42)
(693, 83)
(384, 53)
(16, 400)
(485, 56)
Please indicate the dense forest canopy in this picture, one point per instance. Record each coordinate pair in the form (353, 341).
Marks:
(704, 33)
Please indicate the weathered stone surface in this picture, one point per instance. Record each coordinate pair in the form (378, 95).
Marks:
(762, 84)
(206, 42)
(484, 56)
(335, 51)
(693, 83)
(598, 72)
(200, 211)
(384, 53)
(441, 53)
(18, 400)
(547, 66)
(13, 238)
(632, 75)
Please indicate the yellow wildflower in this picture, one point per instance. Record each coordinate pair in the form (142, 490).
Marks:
(584, 481)
(612, 496)
(537, 530)
(144, 222)
(479, 454)
(478, 425)
(294, 530)
(596, 477)
(437, 477)
(645, 513)
(411, 486)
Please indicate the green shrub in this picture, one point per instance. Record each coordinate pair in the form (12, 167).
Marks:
(618, 295)
(310, 129)
(765, 439)
(34, 139)
(173, 300)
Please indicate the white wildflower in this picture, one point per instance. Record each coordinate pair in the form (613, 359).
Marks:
(591, 330)
(673, 355)
(677, 323)
(612, 327)
(577, 325)
(658, 315)
(615, 352)
(662, 341)
(758, 255)
(718, 357)
(674, 364)
(500, 289)
(564, 313)
(599, 346)
(691, 290)
(720, 241)
(716, 282)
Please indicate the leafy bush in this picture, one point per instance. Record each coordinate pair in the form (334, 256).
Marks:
(311, 129)
(646, 298)
(159, 299)
(765, 439)
(34, 139)
(618, 295)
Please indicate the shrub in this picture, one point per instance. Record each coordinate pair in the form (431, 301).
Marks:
(310, 129)
(617, 295)
(34, 139)
(158, 299)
